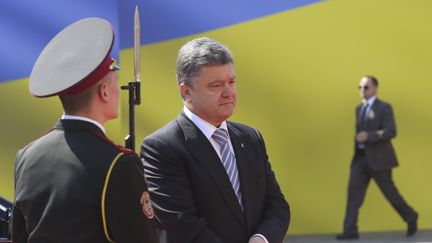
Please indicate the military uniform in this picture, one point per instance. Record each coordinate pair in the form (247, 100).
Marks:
(74, 185)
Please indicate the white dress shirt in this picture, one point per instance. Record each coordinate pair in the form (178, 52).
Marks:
(208, 129)
(369, 103)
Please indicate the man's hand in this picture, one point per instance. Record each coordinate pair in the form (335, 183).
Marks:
(256, 239)
(362, 137)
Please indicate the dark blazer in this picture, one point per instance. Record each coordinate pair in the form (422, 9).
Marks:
(192, 195)
(71, 179)
(381, 128)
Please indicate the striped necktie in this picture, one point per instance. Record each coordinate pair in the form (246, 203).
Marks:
(229, 161)
(363, 113)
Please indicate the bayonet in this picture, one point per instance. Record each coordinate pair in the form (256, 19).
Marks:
(137, 45)
(134, 87)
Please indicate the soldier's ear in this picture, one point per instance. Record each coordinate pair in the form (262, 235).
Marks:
(103, 92)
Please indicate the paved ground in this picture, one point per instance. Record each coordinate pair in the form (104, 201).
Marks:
(422, 236)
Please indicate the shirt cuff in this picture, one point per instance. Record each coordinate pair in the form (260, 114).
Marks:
(261, 236)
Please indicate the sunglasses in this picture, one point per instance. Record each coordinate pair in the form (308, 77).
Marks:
(364, 87)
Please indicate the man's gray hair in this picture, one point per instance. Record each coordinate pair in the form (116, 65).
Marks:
(197, 53)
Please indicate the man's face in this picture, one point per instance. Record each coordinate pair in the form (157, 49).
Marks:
(367, 88)
(212, 93)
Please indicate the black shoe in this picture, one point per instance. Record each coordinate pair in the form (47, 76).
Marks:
(412, 227)
(347, 236)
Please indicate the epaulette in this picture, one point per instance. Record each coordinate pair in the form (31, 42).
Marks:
(121, 148)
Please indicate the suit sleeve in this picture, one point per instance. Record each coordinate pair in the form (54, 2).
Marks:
(124, 213)
(172, 194)
(276, 215)
(387, 128)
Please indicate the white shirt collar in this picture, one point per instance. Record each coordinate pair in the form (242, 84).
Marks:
(207, 128)
(81, 118)
(369, 101)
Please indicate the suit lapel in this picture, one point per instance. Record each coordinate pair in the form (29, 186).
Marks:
(369, 118)
(241, 150)
(375, 105)
(362, 123)
(202, 150)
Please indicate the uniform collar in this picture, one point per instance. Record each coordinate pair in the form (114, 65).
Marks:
(81, 118)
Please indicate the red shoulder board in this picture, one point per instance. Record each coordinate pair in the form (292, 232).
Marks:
(121, 148)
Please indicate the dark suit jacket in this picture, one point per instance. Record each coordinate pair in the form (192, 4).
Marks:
(64, 186)
(381, 128)
(193, 197)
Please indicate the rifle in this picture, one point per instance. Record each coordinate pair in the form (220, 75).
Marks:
(134, 86)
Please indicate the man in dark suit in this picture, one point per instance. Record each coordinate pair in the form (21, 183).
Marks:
(374, 158)
(73, 184)
(210, 179)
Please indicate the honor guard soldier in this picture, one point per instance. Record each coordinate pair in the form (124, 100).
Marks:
(73, 184)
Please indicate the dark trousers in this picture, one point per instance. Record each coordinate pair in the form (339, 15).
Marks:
(359, 180)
